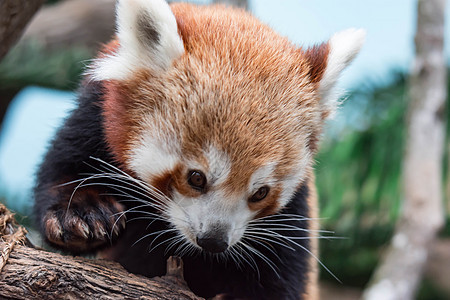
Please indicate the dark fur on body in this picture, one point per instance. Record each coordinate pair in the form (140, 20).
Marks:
(82, 137)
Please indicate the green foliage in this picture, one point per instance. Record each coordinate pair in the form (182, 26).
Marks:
(428, 291)
(51, 1)
(30, 64)
(359, 181)
(358, 174)
(445, 232)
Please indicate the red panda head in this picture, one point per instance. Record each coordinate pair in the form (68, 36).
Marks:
(216, 111)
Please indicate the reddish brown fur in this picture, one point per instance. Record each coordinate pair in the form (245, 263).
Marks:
(163, 183)
(244, 68)
(318, 57)
(210, 82)
(117, 121)
(239, 86)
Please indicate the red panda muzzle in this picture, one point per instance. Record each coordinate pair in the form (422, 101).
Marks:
(212, 244)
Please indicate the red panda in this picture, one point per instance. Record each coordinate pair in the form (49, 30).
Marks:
(194, 136)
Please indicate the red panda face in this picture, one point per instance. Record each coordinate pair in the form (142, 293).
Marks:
(216, 112)
(221, 162)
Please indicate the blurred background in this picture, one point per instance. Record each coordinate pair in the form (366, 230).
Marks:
(358, 167)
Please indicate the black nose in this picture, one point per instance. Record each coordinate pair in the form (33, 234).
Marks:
(210, 244)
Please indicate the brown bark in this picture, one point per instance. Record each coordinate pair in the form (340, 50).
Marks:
(28, 273)
(36, 274)
(401, 270)
(14, 16)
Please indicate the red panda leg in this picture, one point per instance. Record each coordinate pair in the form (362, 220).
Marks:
(84, 221)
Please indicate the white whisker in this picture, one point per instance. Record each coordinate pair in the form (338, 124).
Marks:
(262, 256)
(266, 239)
(153, 233)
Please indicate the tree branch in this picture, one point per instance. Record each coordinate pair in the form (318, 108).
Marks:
(399, 275)
(30, 273)
(81, 23)
(14, 16)
(73, 23)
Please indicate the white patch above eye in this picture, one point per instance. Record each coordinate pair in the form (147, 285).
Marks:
(344, 46)
(219, 164)
(148, 36)
(262, 176)
(153, 156)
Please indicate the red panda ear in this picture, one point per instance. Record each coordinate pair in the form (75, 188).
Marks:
(317, 59)
(148, 38)
(328, 60)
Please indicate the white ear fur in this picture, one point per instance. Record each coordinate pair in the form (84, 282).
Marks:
(148, 36)
(344, 46)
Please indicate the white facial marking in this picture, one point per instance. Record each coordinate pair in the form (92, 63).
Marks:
(135, 52)
(153, 156)
(219, 165)
(262, 176)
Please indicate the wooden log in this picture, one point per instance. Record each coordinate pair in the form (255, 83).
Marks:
(37, 274)
(29, 273)
(69, 23)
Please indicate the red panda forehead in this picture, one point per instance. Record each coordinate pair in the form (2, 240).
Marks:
(234, 36)
(239, 87)
(253, 125)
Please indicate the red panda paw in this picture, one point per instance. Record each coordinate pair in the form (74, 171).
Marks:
(85, 225)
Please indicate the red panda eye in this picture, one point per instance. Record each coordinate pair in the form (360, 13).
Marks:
(260, 194)
(196, 180)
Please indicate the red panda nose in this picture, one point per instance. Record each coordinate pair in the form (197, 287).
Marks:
(212, 244)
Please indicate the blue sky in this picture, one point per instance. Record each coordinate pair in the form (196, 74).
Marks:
(390, 25)
(30, 123)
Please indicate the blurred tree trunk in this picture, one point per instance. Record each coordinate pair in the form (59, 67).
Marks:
(81, 23)
(14, 16)
(237, 3)
(447, 184)
(6, 97)
(399, 274)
